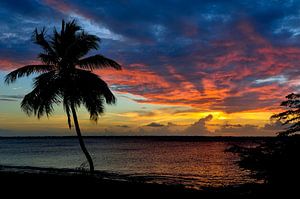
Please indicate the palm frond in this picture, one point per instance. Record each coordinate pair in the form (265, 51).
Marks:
(45, 94)
(81, 45)
(92, 91)
(70, 28)
(94, 107)
(60, 80)
(39, 39)
(56, 43)
(48, 59)
(98, 62)
(26, 71)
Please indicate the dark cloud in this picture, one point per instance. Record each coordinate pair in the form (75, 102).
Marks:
(202, 54)
(199, 127)
(18, 19)
(269, 129)
(154, 124)
(247, 101)
(123, 126)
(276, 127)
(8, 100)
(172, 124)
(243, 130)
(11, 97)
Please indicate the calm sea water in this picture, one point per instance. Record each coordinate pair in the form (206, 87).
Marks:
(189, 161)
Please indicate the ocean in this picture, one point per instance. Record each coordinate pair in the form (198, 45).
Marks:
(190, 161)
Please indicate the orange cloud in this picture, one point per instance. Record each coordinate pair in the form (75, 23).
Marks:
(7, 64)
(212, 85)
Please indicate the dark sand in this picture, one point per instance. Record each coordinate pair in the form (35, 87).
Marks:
(54, 183)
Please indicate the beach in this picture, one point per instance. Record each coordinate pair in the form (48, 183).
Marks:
(24, 170)
(33, 181)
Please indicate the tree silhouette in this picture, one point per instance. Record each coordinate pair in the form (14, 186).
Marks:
(290, 117)
(65, 77)
(276, 160)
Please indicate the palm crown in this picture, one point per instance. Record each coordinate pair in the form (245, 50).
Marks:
(66, 77)
(65, 73)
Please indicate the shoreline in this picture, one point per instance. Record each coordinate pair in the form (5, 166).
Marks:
(64, 181)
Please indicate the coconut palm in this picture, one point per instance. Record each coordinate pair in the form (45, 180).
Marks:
(65, 76)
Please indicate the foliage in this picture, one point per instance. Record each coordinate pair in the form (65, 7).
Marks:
(290, 116)
(276, 160)
(65, 73)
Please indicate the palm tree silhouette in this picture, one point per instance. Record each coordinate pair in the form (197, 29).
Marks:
(66, 77)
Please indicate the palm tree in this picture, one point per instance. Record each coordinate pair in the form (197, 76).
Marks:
(65, 77)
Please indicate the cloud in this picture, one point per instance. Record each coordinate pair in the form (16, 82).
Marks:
(123, 126)
(8, 100)
(276, 126)
(280, 79)
(219, 76)
(202, 127)
(227, 56)
(154, 124)
(199, 128)
(241, 130)
(11, 97)
(247, 101)
(269, 129)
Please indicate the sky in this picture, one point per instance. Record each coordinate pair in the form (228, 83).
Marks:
(193, 67)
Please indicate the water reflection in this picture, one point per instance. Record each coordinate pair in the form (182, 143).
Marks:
(193, 163)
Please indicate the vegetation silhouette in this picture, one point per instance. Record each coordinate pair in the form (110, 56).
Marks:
(290, 117)
(66, 77)
(276, 161)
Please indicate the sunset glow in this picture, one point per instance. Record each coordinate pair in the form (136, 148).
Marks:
(189, 68)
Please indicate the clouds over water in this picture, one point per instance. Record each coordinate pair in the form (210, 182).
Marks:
(230, 56)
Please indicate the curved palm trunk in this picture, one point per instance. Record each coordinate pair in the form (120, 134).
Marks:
(82, 145)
